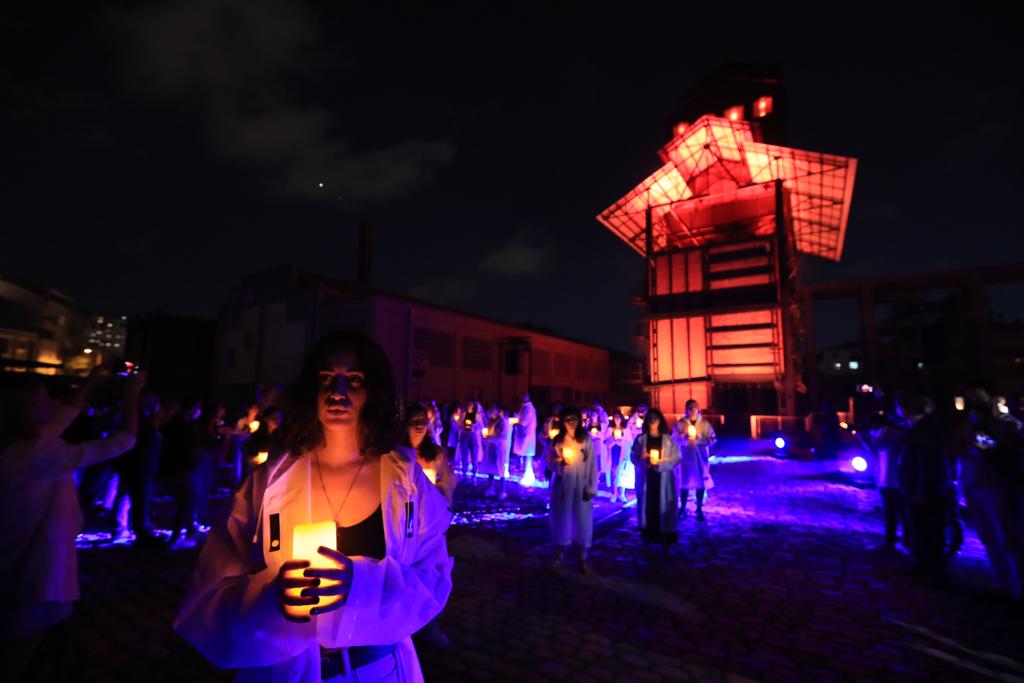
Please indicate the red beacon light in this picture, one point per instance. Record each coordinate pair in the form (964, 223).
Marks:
(681, 128)
(734, 113)
(763, 107)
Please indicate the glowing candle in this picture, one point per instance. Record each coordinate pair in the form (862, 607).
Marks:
(513, 420)
(487, 431)
(639, 421)
(655, 456)
(568, 454)
(261, 457)
(306, 539)
(617, 433)
(593, 430)
(691, 431)
(254, 425)
(958, 403)
(552, 433)
(431, 474)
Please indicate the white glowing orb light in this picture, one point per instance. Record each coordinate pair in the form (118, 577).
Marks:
(780, 443)
(859, 464)
(319, 184)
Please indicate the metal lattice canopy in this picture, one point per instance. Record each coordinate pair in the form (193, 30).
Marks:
(717, 183)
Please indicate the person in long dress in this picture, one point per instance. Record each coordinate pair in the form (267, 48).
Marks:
(618, 442)
(259, 603)
(694, 435)
(524, 439)
(496, 442)
(597, 427)
(573, 465)
(655, 457)
(471, 437)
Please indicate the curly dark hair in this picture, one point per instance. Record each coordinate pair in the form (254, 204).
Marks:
(378, 421)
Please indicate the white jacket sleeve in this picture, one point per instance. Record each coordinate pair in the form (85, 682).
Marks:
(389, 600)
(671, 457)
(230, 612)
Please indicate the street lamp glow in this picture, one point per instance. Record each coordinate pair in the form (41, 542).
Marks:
(859, 464)
(780, 443)
(86, 350)
(319, 184)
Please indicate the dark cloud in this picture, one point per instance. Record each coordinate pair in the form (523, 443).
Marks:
(241, 68)
(517, 257)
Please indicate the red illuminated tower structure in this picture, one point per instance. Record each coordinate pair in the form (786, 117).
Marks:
(720, 225)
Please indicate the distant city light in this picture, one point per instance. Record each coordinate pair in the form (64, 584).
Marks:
(319, 184)
(854, 365)
(859, 464)
(920, 365)
(86, 350)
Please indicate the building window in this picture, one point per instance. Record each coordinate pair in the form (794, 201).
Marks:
(541, 362)
(563, 365)
(438, 347)
(477, 354)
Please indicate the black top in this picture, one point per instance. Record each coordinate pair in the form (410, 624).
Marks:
(365, 538)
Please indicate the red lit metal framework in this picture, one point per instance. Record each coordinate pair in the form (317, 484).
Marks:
(719, 224)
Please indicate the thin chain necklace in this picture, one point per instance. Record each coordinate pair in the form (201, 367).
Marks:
(330, 505)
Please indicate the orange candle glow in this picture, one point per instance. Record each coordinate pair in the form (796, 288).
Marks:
(655, 456)
(254, 425)
(261, 457)
(639, 421)
(617, 433)
(568, 454)
(431, 474)
(513, 420)
(552, 433)
(593, 430)
(306, 539)
(487, 432)
(691, 431)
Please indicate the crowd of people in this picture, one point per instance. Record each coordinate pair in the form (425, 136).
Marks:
(934, 468)
(269, 586)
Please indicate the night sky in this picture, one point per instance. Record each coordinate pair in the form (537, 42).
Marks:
(155, 152)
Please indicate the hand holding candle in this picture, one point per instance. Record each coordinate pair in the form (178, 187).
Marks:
(261, 457)
(308, 543)
(568, 454)
(431, 474)
(617, 433)
(691, 432)
(552, 433)
(655, 456)
(513, 420)
(254, 426)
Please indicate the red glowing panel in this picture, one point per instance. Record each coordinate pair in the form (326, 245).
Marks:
(763, 106)
(745, 281)
(714, 168)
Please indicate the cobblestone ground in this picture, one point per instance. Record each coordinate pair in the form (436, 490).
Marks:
(782, 583)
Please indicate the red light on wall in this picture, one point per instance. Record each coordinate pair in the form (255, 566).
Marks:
(763, 106)
(681, 127)
(734, 113)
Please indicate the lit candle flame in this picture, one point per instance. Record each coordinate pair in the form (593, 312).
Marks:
(431, 474)
(655, 456)
(513, 420)
(691, 431)
(552, 433)
(261, 457)
(593, 430)
(254, 425)
(487, 431)
(617, 433)
(568, 454)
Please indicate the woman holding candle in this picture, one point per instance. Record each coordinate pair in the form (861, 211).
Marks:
(496, 444)
(573, 487)
(524, 441)
(655, 456)
(431, 457)
(471, 436)
(618, 442)
(694, 435)
(260, 602)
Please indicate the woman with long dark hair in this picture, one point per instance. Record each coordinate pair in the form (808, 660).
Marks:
(431, 457)
(655, 457)
(573, 464)
(258, 602)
